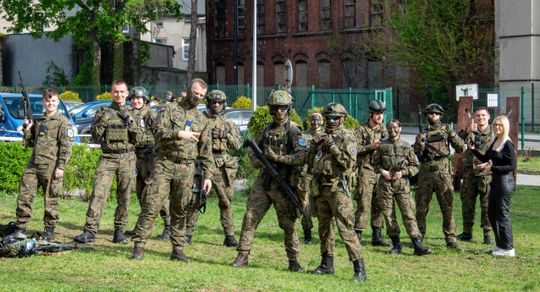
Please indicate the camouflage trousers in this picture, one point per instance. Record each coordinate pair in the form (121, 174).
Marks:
(172, 180)
(473, 187)
(336, 205)
(397, 191)
(304, 186)
(35, 176)
(440, 182)
(258, 203)
(225, 195)
(366, 201)
(145, 164)
(123, 166)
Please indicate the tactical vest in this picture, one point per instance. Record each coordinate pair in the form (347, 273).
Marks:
(437, 144)
(219, 145)
(394, 155)
(278, 139)
(481, 143)
(142, 118)
(117, 131)
(368, 135)
(47, 132)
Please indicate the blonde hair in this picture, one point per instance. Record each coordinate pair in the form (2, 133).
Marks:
(506, 130)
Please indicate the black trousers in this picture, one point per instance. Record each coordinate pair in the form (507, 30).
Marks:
(500, 194)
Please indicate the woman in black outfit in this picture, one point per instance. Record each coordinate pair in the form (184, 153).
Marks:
(502, 155)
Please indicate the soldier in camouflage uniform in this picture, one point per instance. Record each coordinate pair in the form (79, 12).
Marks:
(117, 132)
(182, 136)
(145, 117)
(369, 138)
(331, 161)
(225, 136)
(396, 162)
(283, 144)
(476, 180)
(304, 186)
(432, 147)
(51, 137)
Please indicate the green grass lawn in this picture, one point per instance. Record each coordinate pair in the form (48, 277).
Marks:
(531, 164)
(108, 267)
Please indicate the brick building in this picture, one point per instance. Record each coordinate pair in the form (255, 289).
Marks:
(319, 37)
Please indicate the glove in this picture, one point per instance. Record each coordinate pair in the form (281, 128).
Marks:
(124, 115)
(268, 152)
(216, 133)
(319, 137)
(421, 139)
(450, 130)
(329, 141)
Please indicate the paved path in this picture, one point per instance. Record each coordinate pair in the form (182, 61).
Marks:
(528, 180)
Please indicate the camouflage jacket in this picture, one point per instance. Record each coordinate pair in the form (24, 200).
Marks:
(145, 118)
(51, 138)
(481, 140)
(395, 157)
(365, 136)
(231, 141)
(434, 154)
(174, 118)
(115, 134)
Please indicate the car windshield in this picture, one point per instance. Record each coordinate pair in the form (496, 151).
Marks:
(16, 108)
(78, 109)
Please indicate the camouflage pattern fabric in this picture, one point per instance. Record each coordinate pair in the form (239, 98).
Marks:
(304, 187)
(51, 138)
(367, 178)
(333, 171)
(436, 175)
(286, 141)
(397, 157)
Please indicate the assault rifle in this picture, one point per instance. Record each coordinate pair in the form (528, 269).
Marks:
(198, 190)
(285, 188)
(27, 110)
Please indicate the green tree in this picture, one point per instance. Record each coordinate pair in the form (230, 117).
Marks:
(89, 22)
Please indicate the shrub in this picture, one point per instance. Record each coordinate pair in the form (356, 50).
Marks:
(104, 96)
(242, 102)
(70, 95)
(12, 165)
(261, 117)
(81, 169)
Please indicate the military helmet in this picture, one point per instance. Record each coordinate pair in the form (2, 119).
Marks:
(376, 106)
(434, 108)
(216, 94)
(279, 97)
(334, 109)
(139, 91)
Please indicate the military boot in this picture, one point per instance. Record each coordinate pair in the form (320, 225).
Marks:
(241, 260)
(465, 236)
(396, 245)
(48, 234)
(188, 240)
(137, 253)
(230, 241)
(119, 237)
(359, 234)
(15, 231)
(178, 255)
(419, 248)
(294, 266)
(85, 237)
(452, 245)
(487, 237)
(166, 234)
(326, 266)
(376, 239)
(359, 271)
(307, 236)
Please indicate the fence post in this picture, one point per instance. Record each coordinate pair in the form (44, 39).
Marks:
(522, 118)
(350, 100)
(532, 106)
(248, 91)
(312, 94)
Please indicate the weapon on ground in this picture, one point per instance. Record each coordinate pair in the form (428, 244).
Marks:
(198, 190)
(26, 101)
(285, 188)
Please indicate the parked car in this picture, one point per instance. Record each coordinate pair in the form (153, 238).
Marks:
(85, 113)
(71, 104)
(12, 113)
(240, 117)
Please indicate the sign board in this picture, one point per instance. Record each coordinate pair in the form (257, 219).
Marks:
(492, 100)
(467, 90)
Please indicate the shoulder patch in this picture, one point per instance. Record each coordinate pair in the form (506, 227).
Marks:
(71, 133)
(302, 142)
(352, 149)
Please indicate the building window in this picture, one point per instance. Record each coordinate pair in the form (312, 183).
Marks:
(220, 74)
(301, 74)
(279, 74)
(241, 18)
(159, 24)
(302, 15)
(185, 49)
(260, 16)
(377, 14)
(324, 74)
(353, 73)
(161, 41)
(221, 20)
(260, 74)
(374, 74)
(349, 19)
(241, 74)
(326, 15)
(281, 16)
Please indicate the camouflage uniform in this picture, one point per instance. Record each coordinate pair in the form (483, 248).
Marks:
(115, 129)
(51, 138)
(304, 189)
(436, 176)
(367, 178)
(475, 181)
(145, 117)
(226, 167)
(174, 170)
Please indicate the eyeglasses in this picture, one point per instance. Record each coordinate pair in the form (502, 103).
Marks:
(217, 101)
(498, 125)
(332, 118)
(279, 107)
(434, 113)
